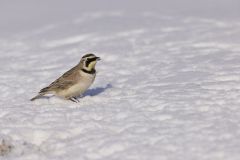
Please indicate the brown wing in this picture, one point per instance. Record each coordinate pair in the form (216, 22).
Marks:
(68, 79)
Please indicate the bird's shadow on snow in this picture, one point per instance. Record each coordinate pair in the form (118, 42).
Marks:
(96, 91)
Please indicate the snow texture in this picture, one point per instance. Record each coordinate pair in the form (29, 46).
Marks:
(167, 87)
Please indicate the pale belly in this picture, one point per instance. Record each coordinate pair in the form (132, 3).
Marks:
(78, 88)
(75, 90)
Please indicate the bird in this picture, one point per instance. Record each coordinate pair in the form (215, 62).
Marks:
(74, 82)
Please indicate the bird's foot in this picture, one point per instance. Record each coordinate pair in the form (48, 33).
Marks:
(74, 99)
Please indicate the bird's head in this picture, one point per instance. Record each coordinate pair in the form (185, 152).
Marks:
(89, 61)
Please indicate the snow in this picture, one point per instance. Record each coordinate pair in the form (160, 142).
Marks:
(167, 87)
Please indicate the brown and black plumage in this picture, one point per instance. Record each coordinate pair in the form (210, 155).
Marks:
(74, 82)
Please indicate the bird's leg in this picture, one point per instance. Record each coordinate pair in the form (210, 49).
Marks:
(74, 99)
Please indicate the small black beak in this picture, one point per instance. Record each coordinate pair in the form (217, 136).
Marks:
(98, 58)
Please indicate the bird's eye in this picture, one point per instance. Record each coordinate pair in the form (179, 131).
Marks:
(87, 62)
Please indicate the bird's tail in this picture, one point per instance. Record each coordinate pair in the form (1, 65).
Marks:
(41, 93)
(36, 97)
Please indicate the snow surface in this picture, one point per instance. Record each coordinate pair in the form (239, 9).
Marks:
(167, 87)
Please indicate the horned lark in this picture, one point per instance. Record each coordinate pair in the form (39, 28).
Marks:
(74, 82)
